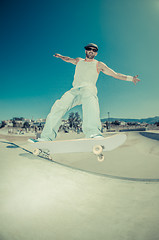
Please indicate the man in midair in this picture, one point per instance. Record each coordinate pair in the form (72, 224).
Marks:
(83, 92)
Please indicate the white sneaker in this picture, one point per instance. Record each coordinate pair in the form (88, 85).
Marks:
(96, 136)
(42, 140)
(31, 140)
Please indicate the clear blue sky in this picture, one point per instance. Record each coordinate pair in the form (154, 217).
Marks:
(33, 30)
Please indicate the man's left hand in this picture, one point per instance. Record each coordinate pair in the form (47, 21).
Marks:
(136, 79)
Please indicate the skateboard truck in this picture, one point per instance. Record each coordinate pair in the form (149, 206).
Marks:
(43, 153)
(97, 150)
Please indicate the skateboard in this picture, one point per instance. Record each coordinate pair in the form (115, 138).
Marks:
(94, 145)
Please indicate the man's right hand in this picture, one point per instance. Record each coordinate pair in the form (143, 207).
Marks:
(57, 55)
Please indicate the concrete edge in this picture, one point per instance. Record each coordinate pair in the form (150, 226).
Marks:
(154, 136)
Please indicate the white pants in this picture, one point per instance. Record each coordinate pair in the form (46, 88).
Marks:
(87, 96)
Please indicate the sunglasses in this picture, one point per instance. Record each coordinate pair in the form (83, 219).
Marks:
(93, 49)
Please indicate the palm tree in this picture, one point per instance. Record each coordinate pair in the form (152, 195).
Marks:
(71, 119)
(74, 120)
(77, 121)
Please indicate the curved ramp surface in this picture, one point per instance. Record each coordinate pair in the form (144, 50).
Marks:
(43, 200)
(137, 158)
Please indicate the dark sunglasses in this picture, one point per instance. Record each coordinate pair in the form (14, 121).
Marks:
(93, 49)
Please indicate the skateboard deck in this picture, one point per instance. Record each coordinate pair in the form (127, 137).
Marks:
(94, 145)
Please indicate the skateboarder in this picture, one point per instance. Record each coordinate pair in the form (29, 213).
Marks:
(83, 92)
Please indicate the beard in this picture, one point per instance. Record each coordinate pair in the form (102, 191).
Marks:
(89, 55)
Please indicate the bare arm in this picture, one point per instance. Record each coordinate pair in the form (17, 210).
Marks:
(67, 59)
(108, 71)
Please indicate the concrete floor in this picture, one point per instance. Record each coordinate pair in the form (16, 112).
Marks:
(44, 200)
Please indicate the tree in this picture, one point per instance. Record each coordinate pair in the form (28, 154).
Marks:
(14, 123)
(26, 125)
(116, 122)
(157, 124)
(71, 119)
(74, 120)
(18, 119)
(2, 124)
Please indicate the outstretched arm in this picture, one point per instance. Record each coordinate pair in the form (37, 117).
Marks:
(108, 71)
(67, 59)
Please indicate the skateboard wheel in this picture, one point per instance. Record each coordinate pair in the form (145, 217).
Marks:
(101, 158)
(97, 149)
(36, 151)
(49, 157)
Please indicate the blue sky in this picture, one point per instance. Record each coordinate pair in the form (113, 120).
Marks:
(33, 30)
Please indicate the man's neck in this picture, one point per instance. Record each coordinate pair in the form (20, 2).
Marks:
(89, 60)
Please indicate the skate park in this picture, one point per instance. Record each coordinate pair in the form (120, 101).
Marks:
(76, 197)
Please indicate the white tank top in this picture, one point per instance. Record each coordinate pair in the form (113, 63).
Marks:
(86, 73)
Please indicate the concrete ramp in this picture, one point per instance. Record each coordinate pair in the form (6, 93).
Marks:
(137, 158)
(44, 200)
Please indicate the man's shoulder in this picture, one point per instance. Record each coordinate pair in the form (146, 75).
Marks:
(74, 60)
(78, 59)
(101, 65)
